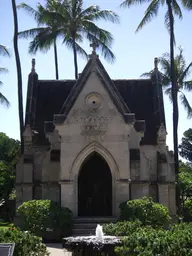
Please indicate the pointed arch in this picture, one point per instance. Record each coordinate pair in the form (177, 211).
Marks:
(79, 160)
(98, 148)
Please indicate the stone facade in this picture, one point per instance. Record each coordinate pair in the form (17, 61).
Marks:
(97, 120)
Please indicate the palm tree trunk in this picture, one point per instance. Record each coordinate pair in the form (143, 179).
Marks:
(75, 57)
(175, 103)
(56, 60)
(19, 75)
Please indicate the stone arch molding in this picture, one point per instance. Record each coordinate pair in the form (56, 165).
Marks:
(94, 147)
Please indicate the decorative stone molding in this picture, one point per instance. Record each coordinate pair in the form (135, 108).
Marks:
(54, 139)
(94, 147)
(161, 138)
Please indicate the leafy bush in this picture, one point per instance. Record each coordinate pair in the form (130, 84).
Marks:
(25, 243)
(39, 216)
(148, 242)
(124, 228)
(145, 210)
(188, 210)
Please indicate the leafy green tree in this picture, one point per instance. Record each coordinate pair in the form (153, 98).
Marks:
(182, 73)
(172, 9)
(47, 31)
(19, 74)
(185, 183)
(3, 52)
(78, 23)
(9, 155)
(185, 149)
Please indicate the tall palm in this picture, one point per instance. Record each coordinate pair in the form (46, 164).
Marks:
(78, 23)
(172, 10)
(182, 71)
(3, 52)
(47, 31)
(19, 75)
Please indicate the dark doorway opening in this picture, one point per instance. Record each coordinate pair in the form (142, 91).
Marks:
(95, 187)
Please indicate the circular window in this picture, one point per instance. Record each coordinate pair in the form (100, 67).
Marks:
(93, 100)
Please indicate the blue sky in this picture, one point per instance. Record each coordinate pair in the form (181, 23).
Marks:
(134, 55)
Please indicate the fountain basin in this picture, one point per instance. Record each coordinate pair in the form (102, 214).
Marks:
(91, 245)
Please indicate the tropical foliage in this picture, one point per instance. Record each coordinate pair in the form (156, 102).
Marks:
(185, 149)
(182, 71)
(3, 52)
(9, 154)
(73, 23)
(172, 9)
(25, 242)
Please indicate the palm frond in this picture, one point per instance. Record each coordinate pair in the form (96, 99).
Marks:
(4, 70)
(177, 9)
(167, 23)
(4, 101)
(185, 73)
(186, 105)
(4, 51)
(168, 92)
(30, 10)
(187, 4)
(187, 85)
(150, 13)
(106, 15)
(128, 3)
(164, 62)
(69, 43)
(148, 74)
(26, 34)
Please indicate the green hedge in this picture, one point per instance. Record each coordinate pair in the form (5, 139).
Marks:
(25, 243)
(40, 216)
(149, 242)
(145, 210)
(124, 228)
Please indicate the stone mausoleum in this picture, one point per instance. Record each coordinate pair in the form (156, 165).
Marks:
(95, 142)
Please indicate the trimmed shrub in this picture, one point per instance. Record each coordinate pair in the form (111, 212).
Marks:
(124, 228)
(148, 242)
(145, 210)
(40, 216)
(25, 243)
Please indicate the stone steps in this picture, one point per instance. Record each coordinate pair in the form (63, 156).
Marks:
(87, 226)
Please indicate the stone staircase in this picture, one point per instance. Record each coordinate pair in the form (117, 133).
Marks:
(87, 226)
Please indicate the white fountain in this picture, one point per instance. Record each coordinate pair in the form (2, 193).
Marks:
(99, 244)
(99, 233)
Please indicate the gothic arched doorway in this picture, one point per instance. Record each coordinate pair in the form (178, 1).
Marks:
(95, 187)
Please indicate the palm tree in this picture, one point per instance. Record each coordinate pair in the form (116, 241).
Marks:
(77, 23)
(173, 9)
(182, 71)
(19, 75)
(3, 52)
(47, 31)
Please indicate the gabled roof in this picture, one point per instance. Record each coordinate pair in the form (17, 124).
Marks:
(94, 65)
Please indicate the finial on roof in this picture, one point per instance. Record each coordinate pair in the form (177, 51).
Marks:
(33, 65)
(156, 63)
(94, 45)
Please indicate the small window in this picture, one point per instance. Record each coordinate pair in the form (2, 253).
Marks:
(55, 155)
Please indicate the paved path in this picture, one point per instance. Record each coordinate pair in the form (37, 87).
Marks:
(56, 250)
